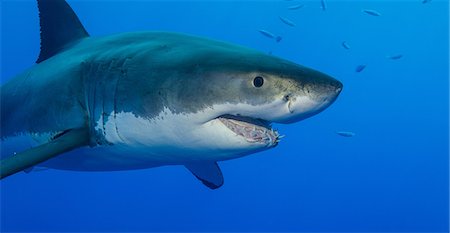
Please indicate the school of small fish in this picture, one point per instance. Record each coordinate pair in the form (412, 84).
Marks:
(323, 6)
(345, 45)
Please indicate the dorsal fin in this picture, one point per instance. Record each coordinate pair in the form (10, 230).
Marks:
(60, 27)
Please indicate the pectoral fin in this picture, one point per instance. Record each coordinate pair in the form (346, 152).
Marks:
(208, 173)
(69, 140)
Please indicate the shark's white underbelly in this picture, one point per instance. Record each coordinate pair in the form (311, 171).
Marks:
(132, 142)
(129, 146)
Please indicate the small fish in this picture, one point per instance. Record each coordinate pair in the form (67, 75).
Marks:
(345, 134)
(296, 7)
(426, 1)
(371, 12)
(395, 57)
(360, 68)
(267, 33)
(278, 38)
(324, 5)
(287, 21)
(345, 45)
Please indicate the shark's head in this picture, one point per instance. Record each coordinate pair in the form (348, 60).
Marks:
(260, 90)
(278, 91)
(219, 101)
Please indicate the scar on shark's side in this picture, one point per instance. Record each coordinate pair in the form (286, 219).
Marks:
(146, 99)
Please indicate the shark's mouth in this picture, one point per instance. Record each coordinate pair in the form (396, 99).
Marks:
(253, 130)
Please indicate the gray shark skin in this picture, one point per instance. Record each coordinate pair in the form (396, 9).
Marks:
(150, 99)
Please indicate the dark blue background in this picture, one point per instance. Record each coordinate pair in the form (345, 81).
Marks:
(392, 176)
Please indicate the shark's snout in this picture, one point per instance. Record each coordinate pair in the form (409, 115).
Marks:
(312, 97)
(323, 86)
(329, 90)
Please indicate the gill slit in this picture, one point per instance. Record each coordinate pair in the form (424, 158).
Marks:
(106, 88)
(123, 74)
(90, 87)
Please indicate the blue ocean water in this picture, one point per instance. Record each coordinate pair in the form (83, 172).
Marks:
(391, 176)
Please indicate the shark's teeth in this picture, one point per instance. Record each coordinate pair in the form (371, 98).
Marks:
(252, 133)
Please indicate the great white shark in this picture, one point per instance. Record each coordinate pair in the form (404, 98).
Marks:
(146, 99)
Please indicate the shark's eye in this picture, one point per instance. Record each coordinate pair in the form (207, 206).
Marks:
(258, 81)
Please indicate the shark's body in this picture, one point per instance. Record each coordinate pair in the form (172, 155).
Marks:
(149, 99)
